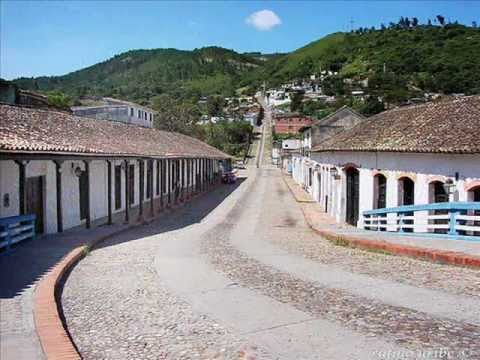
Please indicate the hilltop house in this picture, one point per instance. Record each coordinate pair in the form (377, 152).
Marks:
(117, 110)
(414, 157)
(290, 123)
(70, 171)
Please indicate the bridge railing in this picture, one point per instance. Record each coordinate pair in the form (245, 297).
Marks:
(14, 229)
(451, 218)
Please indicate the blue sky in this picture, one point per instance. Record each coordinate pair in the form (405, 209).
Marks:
(54, 38)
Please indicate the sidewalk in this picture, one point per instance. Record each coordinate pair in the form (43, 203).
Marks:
(28, 276)
(455, 252)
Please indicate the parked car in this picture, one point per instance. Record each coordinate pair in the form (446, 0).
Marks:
(239, 164)
(229, 178)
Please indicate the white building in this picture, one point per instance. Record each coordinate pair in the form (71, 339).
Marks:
(117, 110)
(70, 171)
(416, 155)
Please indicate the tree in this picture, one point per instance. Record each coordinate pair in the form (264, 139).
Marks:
(296, 101)
(175, 115)
(474, 24)
(441, 20)
(215, 105)
(429, 23)
(59, 100)
(372, 106)
(414, 22)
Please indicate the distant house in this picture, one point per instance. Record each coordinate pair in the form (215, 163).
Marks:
(343, 119)
(421, 161)
(11, 94)
(117, 110)
(290, 123)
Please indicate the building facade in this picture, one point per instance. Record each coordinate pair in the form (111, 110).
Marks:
(290, 123)
(117, 110)
(414, 157)
(71, 171)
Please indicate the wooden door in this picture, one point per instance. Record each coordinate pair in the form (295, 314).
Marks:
(440, 195)
(83, 192)
(408, 198)
(34, 188)
(353, 188)
(382, 192)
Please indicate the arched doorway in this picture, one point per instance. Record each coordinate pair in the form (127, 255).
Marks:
(353, 189)
(438, 194)
(406, 187)
(406, 196)
(380, 191)
(474, 195)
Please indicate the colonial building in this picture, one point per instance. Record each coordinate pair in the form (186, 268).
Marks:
(117, 110)
(70, 171)
(411, 160)
(290, 123)
(341, 120)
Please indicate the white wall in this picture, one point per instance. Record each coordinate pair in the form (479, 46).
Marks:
(422, 168)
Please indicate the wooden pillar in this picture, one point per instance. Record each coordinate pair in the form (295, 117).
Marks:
(127, 193)
(163, 170)
(161, 173)
(109, 192)
(141, 188)
(203, 175)
(177, 180)
(189, 177)
(58, 179)
(87, 195)
(157, 183)
(150, 179)
(180, 179)
(22, 188)
(169, 175)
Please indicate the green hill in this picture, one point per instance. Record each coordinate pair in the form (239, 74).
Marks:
(399, 62)
(138, 75)
(397, 59)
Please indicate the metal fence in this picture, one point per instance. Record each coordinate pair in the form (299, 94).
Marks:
(14, 229)
(456, 219)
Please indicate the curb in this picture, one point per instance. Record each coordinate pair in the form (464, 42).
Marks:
(433, 255)
(53, 335)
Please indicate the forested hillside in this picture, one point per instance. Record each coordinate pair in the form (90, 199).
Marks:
(138, 75)
(402, 58)
(400, 61)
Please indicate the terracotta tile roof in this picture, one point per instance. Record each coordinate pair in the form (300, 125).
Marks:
(451, 126)
(43, 131)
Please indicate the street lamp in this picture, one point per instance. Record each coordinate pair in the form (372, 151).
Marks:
(449, 186)
(334, 173)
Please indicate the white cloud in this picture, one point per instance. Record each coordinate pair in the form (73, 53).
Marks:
(263, 20)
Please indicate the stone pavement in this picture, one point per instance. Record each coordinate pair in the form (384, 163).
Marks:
(241, 275)
(439, 249)
(23, 267)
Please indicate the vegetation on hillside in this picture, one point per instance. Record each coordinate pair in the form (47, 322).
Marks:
(139, 75)
(399, 61)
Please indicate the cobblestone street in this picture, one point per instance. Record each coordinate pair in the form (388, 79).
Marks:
(239, 274)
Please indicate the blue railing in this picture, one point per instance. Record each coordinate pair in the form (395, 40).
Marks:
(452, 218)
(14, 229)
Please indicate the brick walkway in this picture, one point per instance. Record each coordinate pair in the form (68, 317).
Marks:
(456, 252)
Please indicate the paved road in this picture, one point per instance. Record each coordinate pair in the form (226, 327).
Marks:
(239, 274)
